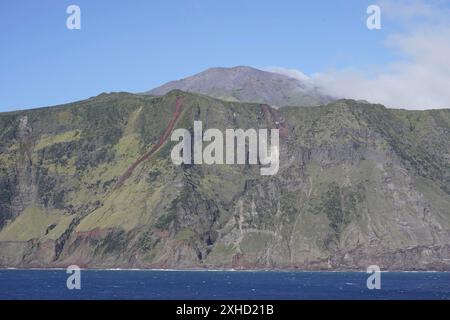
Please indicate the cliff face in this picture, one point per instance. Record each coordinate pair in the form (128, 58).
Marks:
(358, 185)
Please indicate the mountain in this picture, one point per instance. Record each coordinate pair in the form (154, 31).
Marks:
(246, 84)
(92, 183)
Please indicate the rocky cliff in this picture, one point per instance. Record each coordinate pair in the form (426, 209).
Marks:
(358, 185)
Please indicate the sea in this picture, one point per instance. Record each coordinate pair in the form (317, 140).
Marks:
(19, 284)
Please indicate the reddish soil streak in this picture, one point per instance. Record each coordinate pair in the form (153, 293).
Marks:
(162, 140)
(278, 120)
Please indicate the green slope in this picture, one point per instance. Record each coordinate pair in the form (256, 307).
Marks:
(358, 184)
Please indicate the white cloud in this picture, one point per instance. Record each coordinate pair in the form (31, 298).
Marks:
(421, 80)
(293, 73)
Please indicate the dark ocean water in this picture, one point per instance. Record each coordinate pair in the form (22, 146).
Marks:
(131, 284)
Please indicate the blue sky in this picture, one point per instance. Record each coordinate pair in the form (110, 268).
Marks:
(137, 45)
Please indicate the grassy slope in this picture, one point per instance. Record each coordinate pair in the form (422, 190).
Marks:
(352, 176)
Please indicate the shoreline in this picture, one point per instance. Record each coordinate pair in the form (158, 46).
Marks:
(222, 270)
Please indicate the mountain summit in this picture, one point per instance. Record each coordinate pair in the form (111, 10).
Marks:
(246, 84)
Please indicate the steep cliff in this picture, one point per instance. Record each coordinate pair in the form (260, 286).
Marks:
(358, 184)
